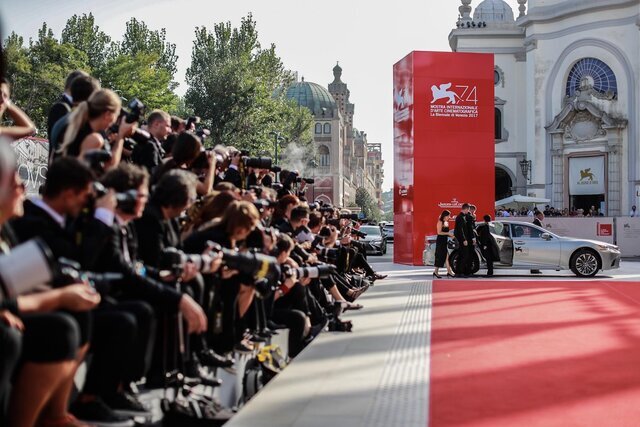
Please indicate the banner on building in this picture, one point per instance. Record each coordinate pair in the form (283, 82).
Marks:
(586, 176)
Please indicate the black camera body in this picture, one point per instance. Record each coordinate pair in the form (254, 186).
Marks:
(352, 217)
(358, 233)
(97, 159)
(126, 201)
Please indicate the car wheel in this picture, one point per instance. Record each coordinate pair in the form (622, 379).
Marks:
(585, 263)
(384, 250)
(475, 265)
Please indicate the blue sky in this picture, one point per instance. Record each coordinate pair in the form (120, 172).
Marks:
(366, 37)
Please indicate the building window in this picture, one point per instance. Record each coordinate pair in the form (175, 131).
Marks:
(594, 73)
(325, 158)
(498, 76)
(498, 123)
(318, 128)
(327, 128)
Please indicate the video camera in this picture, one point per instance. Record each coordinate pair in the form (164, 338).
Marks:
(126, 201)
(294, 177)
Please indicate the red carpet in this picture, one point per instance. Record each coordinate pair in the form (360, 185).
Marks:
(535, 354)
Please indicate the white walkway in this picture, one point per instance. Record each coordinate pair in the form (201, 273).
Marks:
(375, 376)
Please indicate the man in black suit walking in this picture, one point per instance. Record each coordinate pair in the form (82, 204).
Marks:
(461, 232)
(539, 216)
(487, 245)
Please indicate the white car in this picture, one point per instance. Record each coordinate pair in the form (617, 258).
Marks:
(525, 246)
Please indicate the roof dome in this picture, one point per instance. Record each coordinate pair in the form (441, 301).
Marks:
(493, 11)
(313, 96)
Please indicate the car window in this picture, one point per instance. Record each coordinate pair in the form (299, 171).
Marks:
(525, 231)
(499, 229)
(371, 230)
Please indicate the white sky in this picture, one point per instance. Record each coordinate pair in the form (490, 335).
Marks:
(366, 37)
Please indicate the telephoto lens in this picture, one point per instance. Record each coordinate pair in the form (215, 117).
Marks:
(258, 162)
(258, 266)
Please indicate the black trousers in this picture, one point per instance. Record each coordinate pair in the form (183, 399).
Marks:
(488, 257)
(295, 321)
(465, 260)
(123, 338)
(10, 347)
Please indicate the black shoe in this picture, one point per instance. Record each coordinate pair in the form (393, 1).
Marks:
(97, 412)
(126, 403)
(214, 360)
(451, 275)
(436, 275)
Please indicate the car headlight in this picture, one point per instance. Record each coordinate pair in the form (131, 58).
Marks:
(376, 242)
(606, 248)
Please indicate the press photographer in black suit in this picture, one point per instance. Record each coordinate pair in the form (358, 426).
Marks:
(232, 174)
(64, 104)
(465, 241)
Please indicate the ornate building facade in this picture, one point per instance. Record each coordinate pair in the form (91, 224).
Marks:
(345, 159)
(566, 97)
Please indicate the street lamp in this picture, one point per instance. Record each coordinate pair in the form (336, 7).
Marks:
(526, 168)
(278, 138)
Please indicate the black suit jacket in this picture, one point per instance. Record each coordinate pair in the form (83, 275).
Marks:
(57, 111)
(148, 154)
(537, 222)
(81, 240)
(233, 176)
(471, 227)
(486, 240)
(154, 235)
(133, 285)
(460, 231)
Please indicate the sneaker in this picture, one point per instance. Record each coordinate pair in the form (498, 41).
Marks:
(97, 412)
(126, 403)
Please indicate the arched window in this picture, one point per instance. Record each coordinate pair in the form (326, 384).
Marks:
(318, 128)
(498, 123)
(327, 128)
(325, 157)
(592, 72)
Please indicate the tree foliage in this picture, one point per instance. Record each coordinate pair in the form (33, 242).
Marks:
(368, 204)
(82, 33)
(236, 86)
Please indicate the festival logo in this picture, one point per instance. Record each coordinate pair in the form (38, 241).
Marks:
(586, 174)
(453, 204)
(454, 101)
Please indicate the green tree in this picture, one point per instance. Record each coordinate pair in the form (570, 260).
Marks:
(368, 204)
(139, 39)
(82, 33)
(138, 76)
(38, 72)
(236, 87)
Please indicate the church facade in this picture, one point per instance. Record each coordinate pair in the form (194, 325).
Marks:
(566, 97)
(345, 159)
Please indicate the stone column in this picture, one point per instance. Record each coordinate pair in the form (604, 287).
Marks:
(614, 178)
(558, 196)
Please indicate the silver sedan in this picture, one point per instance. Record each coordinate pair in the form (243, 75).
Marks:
(523, 245)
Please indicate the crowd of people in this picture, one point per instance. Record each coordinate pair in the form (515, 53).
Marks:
(551, 212)
(164, 260)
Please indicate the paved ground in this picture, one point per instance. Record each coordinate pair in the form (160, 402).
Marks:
(378, 374)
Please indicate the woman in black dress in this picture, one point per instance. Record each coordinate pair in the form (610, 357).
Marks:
(442, 254)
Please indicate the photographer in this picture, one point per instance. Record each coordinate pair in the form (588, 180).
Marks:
(89, 121)
(232, 173)
(81, 89)
(150, 153)
(234, 295)
(186, 150)
(22, 124)
(64, 104)
(48, 342)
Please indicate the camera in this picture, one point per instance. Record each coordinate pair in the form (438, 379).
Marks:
(262, 204)
(174, 260)
(294, 177)
(358, 233)
(319, 272)
(135, 110)
(352, 217)
(126, 201)
(257, 162)
(327, 254)
(326, 209)
(277, 186)
(96, 160)
(256, 265)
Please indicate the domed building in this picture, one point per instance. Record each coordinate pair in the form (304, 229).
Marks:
(345, 160)
(566, 97)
